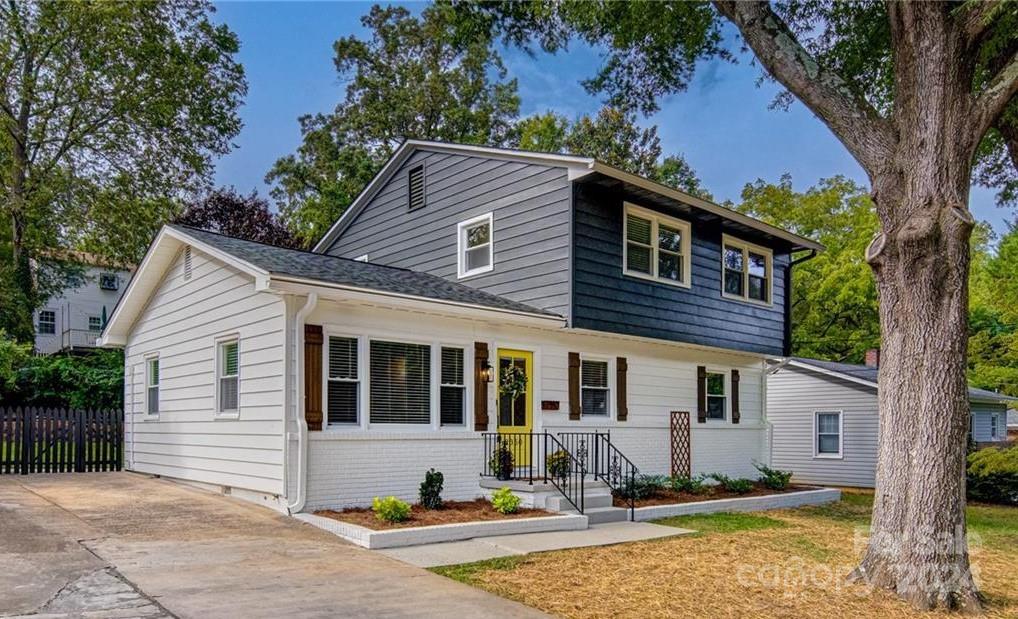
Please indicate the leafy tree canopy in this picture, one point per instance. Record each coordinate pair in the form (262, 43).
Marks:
(225, 211)
(993, 317)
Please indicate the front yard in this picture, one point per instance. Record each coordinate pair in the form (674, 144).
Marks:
(773, 564)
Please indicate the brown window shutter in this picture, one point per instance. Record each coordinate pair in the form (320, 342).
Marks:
(574, 385)
(480, 388)
(313, 376)
(621, 368)
(701, 394)
(735, 396)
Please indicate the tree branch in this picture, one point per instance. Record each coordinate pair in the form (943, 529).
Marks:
(974, 17)
(990, 104)
(867, 136)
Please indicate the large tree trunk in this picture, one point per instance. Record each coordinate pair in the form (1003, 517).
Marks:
(918, 542)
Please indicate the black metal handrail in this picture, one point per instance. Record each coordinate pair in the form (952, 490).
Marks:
(534, 456)
(605, 462)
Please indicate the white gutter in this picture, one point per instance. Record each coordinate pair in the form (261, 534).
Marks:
(302, 424)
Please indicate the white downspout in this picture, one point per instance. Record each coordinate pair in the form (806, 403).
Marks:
(302, 425)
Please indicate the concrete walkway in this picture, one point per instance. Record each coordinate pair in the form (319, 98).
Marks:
(124, 545)
(482, 548)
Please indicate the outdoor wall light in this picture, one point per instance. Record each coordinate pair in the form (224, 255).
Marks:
(487, 372)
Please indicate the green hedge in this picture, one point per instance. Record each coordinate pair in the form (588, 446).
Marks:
(95, 380)
(993, 475)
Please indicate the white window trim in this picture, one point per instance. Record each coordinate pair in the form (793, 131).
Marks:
(364, 378)
(726, 381)
(98, 320)
(746, 248)
(841, 435)
(218, 343)
(461, 246)
(610, 414)
(39, 321)
(656, 219)
(159, 386)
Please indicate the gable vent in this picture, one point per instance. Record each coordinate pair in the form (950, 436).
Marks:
(415, 183)
(187, 263)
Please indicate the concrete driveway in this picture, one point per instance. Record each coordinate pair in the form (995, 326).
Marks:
(125, 545)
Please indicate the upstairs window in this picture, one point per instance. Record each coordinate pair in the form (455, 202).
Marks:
(415, 188)
(228, 379)
(152, 386)
(400, 382)
(95, 324)
(657, 246)
(47, 322)
(828, 434)
(109, 281)
(747, 271)
(717, 399)
(453, 388)
(594, 389)
(475, 246)
(343, 381)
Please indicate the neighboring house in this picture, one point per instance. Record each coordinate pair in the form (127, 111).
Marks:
(824, 419)
(321, 379)
(73, 320)
(1012, 419)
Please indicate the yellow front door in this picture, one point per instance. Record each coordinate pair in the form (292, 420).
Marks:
(516, 414)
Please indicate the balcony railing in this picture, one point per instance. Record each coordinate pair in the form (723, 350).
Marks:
(79, 338)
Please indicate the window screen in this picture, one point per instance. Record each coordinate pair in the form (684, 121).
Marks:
(400, 382)
(451, 395)
(229, 370)
(343, 381)
(152, 386)
(828, 433)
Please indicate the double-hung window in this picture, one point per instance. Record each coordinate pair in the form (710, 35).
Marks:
(95, 324)
(475, 246)
(228, 376)
(400, 383)
(717, 399)
(594, 388)
(452, 391)
(343, 381)
(657, 246)
(828, 434)
(995, 427)
(152, 385)
(47, 322)
(747, 271)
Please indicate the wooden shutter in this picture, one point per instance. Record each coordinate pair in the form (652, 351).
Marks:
(622, 408)
(574, 385)
(701, 394)
(313, 376)
(735, 396)
(480, 388)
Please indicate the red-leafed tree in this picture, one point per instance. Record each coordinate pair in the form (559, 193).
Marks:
(247, 217)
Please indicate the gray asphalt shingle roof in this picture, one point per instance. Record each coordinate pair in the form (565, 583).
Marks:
(867, 373)
(284, 262)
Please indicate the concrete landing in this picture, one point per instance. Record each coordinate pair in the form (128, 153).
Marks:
(482, 548)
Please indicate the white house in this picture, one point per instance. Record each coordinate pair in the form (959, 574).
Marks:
(825, 420)
(322, 379)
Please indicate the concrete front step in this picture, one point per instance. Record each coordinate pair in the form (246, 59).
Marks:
(601, 515)
(560, 503)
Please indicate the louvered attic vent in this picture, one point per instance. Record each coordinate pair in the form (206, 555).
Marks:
(187, 263)
(415, 182)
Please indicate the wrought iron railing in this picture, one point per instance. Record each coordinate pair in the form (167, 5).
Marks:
(603, 459)
(534, 456)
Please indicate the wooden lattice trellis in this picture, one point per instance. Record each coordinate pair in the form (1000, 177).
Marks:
(680, 444)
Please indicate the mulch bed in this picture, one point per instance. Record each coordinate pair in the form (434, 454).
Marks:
(667, 496)
(452, 512)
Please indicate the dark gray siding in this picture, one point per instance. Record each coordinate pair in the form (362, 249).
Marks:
(606, 300)
(530, 206)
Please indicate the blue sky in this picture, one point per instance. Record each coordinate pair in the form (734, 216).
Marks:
(722, 124)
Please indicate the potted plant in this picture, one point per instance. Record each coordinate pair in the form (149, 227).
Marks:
(501, 462)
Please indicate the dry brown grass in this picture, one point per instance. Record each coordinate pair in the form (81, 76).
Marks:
(795, 569)
(452, 512)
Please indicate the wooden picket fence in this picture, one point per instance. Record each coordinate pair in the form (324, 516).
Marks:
(53, 440)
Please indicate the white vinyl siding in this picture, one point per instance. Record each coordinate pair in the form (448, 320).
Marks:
(342, 396)
(595, 392)
(476, 244)
(452, 392)
(400, 383)
(182, 321)
(656, 246)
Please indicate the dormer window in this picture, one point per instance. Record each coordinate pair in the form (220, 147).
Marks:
(657, 246)
(475, 246)
(747, 271)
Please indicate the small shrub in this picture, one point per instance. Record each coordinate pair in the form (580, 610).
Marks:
(642, 487)
(559, 464)
(504, 501)
(501, 462)
(691, 485)
(431, 490)
(390, 509)
(993, 475)
(773, 478)
(737, 486)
